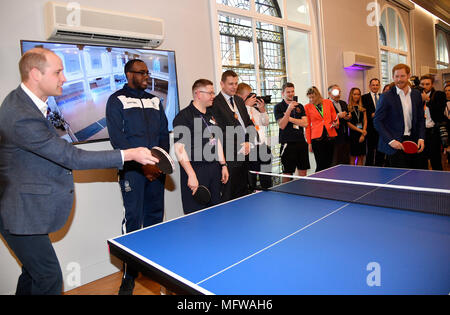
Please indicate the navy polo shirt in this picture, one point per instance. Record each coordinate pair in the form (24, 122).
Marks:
(198, 133)
(290, 133)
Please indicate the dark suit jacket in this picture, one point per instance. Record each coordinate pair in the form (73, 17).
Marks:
(342, 132)
(389, 122)
(36, 182)
(369, 105)
(437, 104)
(224, 117)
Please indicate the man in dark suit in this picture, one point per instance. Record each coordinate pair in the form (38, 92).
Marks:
(342, 141)
(435, 103)
(36, 182)
(400, 116)
(369, 101)
(239, 135)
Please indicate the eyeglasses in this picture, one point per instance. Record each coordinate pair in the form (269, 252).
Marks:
(141, 72)
(210, 93)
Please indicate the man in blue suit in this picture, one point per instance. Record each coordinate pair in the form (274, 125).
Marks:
(36, 182)
(400, 117)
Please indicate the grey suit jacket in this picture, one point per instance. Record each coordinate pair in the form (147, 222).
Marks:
(36, 182)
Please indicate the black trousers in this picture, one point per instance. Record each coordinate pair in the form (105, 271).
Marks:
(323, 152)
(261, 165)
(432, 149)
(208, 174)
(374, 157)
(237, 185)
(41, 272)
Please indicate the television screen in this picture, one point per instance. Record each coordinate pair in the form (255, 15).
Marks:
(93, 73)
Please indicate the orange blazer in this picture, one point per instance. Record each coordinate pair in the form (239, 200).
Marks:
(316, 121)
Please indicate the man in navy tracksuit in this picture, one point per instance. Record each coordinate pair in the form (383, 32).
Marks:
(137, 118)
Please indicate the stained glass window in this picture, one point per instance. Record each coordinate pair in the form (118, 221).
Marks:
(256, 51)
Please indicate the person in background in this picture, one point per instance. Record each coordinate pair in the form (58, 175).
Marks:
(321, 128)
(400, 116)
(358, 127)
(447, 118)
(370, 102)
(239, 135)
(256, 109)
(197, 168)
(291, 118)
(36, 181)
(435, 103)
(137, 118)
(342, 143)
(387, 87)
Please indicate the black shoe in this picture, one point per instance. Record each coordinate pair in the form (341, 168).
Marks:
(127, 286)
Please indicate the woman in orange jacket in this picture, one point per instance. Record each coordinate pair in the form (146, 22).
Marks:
(320, 132)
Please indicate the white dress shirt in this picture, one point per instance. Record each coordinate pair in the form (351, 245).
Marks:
(429, 123)
(375, 100)
(234, 109)
(262, 121)
(41, 105)
(407, 109)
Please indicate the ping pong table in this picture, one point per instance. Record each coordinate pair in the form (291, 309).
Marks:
(278, 242)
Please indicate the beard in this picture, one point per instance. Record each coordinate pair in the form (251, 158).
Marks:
(140, 84)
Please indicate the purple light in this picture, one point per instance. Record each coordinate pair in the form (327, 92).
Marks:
(357, 67)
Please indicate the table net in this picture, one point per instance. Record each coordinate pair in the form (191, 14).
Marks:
(428, 200)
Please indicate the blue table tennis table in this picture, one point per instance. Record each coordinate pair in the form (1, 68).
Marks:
(280, 243)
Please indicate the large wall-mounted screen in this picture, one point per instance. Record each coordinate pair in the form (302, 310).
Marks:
(93, 73)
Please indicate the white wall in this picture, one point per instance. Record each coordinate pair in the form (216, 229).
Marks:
(346, 29)
(97, 211)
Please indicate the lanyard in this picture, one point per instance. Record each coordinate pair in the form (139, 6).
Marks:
(319, 109)
(357, 114)
(207, 126)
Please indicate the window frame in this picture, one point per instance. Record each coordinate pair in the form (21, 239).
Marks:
(312, 29)
(445, 42)
(254, 16)
(387, 48)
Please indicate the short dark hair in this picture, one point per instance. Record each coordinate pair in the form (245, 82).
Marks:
(287, 85)
(427, 77)
(129, 65)
(374, 79)
(228, 73)
(330, 88)
(201, 83)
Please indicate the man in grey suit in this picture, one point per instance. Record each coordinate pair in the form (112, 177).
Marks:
(36, 182)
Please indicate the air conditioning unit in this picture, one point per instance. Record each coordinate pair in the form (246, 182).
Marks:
(74, 23)
(357, 61)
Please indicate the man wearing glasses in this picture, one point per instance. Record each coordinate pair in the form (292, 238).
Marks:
(133, 117)
(198, 148)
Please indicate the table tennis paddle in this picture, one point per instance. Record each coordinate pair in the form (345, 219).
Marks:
(150, 171)
(410, 147)
(202, 195)
(165, 164)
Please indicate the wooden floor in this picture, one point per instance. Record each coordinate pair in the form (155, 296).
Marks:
(110, 286)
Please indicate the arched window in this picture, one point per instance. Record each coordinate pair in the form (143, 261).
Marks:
(393, 43)
(441, 50)
(256, 39)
